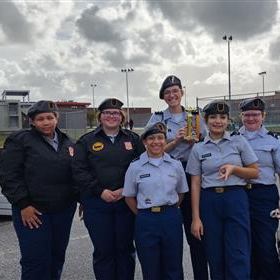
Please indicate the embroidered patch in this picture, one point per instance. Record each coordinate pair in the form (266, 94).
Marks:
(145, 175)
(71, 151)
(128, 145)
(206, 155)
(148, 200)
(98, 146)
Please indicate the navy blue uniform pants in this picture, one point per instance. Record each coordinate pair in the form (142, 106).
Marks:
(111, 229)
(226, 221)
(197, 247)
(265, 263)
(159, 244)
(43, 249)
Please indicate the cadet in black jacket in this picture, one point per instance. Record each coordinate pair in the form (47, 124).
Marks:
(99, 165)
(36, 179)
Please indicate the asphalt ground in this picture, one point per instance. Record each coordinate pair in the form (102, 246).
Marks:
(78, 264)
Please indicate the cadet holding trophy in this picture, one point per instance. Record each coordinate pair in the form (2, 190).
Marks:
(183, 130)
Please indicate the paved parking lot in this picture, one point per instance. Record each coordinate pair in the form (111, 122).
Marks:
(78, 265)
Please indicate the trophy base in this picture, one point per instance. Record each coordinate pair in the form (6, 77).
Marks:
(191, 138)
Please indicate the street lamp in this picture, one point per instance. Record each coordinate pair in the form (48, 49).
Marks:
(185, 97)
(228, 39)
(126, 71)
(93, 104)
(262, 74)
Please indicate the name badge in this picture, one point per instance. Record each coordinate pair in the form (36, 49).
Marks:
(206, 155)
(145, 175)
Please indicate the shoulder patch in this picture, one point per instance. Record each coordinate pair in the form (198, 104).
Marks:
(159, 113)
(235, 133)
(135, 159)
(272, 134)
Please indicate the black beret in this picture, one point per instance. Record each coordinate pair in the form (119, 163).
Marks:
(110, 103)
(216, 107)
(252, 104)
(158, 127)
(169, 82)
(42, 106)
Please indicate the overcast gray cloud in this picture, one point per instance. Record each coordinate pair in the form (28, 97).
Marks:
(242, 19)
(274, 50)
(13, 23)
(96, 28)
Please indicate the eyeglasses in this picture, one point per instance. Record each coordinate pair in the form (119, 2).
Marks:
(113, 114)
(251, 115)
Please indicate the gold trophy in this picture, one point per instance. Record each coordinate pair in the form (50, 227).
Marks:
(192, 125)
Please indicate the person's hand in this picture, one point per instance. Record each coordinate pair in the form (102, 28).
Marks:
(225, 171)
(29, 216)
(197, 228)
(108, 196)
(118, 194)
(181, 133)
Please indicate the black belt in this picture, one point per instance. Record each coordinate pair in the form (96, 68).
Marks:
(258, 186)
(223, 189)
(158, 209)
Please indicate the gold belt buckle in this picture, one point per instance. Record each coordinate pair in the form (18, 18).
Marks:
(155, 209)
(219, 190)
(249, 186)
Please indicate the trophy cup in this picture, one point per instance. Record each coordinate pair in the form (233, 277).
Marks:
(192, 125)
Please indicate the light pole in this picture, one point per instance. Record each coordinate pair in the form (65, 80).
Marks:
(126, 71)
(93, 104)
(185, 97)
(262, 74)
(228, 39)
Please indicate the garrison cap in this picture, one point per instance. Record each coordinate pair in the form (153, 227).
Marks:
(252, 104)
(110, 103)
(169, 82)
(216, 107)
(42, 106)
(158, 127)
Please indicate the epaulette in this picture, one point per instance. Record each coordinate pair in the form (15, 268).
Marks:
(272, 134)
(159, 113)
(135, 159)
(235, 133)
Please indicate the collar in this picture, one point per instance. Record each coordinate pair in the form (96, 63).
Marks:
(144, 159)
(262, 131)
(226, 136)
(168, 115)
(55, 139)
(100, 129)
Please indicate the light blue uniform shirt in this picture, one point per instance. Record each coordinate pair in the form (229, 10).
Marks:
(53, 142)
(155, 185)
(183, 149)
(207, 157)
(267, 150)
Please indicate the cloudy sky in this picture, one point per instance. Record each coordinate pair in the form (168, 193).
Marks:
(57, 49)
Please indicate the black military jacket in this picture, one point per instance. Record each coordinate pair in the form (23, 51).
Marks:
(33, 173)
(99, 164)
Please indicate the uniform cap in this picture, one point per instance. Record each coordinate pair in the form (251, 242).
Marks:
(42, 106)
(252, 104)
(158, 127)
(169, 82)
(110, 103)
(216, 107)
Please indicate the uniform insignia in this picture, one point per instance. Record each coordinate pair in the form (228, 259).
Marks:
(235, 133)
(272, 134)
(145, 175)
(159, 113)
(148, 200)
(128, 145)
(98, 146)
(206, 155)
(71, 151)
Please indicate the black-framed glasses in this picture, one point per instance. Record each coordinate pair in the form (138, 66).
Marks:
(110, 113)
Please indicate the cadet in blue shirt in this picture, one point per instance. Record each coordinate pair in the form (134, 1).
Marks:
(219, 166)
(262, 192)
(174, 117)
(154, 188)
